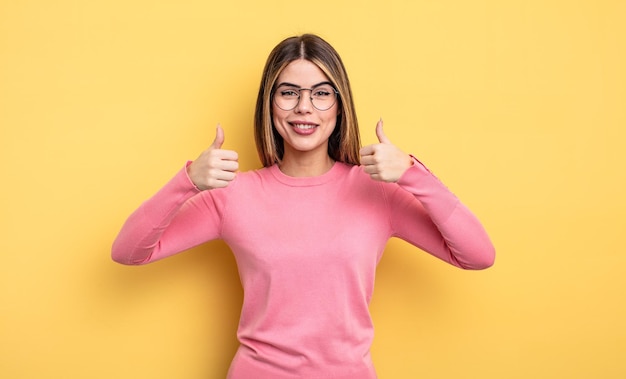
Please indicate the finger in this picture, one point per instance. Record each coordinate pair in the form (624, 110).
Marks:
(377, 177)
(370, 169)
(224, 175)
(368, 160)
(231, 166)
(219, 184)
(226, 155)
(366, 150)
(382, 138)
(219, 138)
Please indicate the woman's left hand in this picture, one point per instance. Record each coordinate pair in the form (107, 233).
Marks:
(384, 161)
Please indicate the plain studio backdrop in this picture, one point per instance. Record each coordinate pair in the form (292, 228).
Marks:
(518, 106)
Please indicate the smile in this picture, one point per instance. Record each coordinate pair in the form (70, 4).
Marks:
(304, 126)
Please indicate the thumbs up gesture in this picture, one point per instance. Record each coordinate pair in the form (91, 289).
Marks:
(384, 161)
(214, 168)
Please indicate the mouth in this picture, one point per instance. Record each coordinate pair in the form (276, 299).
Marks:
(303, 127)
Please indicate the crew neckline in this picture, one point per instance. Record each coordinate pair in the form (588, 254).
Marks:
(308, 181)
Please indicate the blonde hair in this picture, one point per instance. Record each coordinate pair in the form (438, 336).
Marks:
(344, 143)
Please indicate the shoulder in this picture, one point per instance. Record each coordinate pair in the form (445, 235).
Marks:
(357, 175)
(362, 184)
(386, 193)
(252, 176)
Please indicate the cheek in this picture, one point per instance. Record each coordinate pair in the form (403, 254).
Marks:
(278, 115)
(278, 124)
(333, 118)
(334, 112)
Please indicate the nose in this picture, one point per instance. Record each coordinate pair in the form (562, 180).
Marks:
(305, 102)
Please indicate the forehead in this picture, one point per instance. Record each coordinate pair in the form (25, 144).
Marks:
(303, 73)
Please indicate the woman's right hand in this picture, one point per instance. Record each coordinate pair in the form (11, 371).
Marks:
(214, 168)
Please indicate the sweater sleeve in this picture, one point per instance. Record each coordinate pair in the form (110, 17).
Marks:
(438, 222)
(176, 218)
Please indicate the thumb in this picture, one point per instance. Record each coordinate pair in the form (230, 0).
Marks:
(219, 138)
(382, 138)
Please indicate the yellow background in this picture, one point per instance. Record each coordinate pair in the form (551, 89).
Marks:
(518, 106)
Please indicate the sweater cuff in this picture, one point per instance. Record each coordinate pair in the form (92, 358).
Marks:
(415, 173)
(433, 194)
(188, 178)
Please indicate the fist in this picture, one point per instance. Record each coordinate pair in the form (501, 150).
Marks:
(214, 168)
(384, 161)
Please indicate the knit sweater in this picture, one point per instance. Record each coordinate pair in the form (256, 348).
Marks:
(306, 250)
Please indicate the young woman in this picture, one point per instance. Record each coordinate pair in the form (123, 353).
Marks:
(309, 228)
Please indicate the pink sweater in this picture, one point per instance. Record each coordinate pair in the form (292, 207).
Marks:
(306, 250)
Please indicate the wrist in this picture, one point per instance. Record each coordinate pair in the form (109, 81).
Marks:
(189, 175)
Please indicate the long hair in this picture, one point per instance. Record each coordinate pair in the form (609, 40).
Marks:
(344, 143)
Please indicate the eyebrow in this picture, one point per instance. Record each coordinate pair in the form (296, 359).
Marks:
(287, 84)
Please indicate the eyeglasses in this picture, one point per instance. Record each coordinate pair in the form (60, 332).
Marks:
(323, 97)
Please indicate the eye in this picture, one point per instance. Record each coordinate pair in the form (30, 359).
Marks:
(322, 92)
(289, 93)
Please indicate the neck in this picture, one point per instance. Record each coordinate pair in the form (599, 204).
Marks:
(303, 165)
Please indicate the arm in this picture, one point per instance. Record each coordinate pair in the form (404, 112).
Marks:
(176, 218)
(423, 211)
(179, 217)
(426, 214)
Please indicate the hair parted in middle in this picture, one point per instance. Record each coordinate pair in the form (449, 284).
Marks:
(344, 143)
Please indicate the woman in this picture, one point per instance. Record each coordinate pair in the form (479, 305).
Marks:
(309, 228)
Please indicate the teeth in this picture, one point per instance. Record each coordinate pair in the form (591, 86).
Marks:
(304, 126)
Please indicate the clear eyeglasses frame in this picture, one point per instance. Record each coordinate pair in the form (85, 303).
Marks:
(322, 96)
